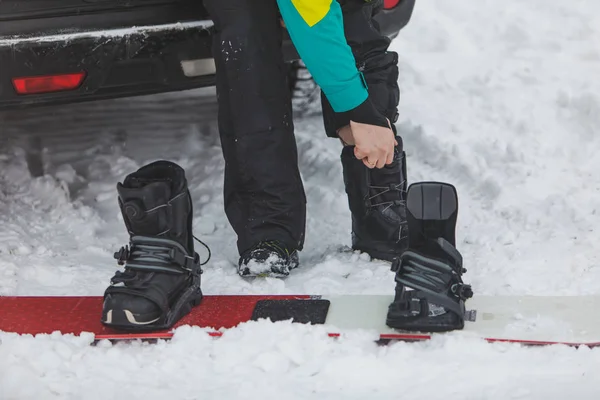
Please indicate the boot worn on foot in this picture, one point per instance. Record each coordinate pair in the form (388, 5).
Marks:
(161, 278)
(269, 258)
(377, 199)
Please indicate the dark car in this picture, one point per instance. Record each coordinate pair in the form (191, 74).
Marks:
(65, 51)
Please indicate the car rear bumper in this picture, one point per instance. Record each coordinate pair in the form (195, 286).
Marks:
(116, 62)
(120, 62)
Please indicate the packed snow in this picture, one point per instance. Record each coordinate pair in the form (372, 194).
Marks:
(501, 99)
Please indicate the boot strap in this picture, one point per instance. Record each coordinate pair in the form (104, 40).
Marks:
(438, 280)
(152, 254)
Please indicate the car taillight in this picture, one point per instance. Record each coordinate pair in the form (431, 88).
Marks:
(389, 4)
(48, 83)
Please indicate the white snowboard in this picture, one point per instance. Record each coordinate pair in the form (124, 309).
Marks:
(527, 319)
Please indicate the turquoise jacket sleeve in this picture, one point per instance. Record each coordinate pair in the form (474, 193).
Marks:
(317, 30)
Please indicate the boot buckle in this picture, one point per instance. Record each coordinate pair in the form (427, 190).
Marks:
(395, 264)
(190, 264)
(462, 291)
(183, 260)
(122, 255)
(178, 257)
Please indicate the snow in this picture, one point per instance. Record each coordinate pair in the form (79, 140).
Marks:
(257, 361)
(501, 99)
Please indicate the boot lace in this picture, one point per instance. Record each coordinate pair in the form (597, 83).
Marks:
(382, 190)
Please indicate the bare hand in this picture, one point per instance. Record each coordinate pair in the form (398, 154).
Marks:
(374, 145)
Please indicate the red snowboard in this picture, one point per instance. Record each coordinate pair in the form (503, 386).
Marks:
(532, 320)
(33, 315)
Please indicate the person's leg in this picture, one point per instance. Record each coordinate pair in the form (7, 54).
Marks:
(264, 195)
(376, 197)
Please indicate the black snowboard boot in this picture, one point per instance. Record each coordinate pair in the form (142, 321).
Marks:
(268, 259)
(377, 203)
(431, 266)
(161, 279)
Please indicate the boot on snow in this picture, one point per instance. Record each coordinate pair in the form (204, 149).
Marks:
(268, 259)
(377, 200)
(161, 278)
(431, 266)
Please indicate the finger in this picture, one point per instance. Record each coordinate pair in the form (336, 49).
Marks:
(393, 146)
(382, 156)
(358, 153)
(364, 151)
(373, 159)
(368, 163)
(390, 157)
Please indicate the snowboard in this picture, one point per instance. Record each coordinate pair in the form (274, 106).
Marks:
(529, 320)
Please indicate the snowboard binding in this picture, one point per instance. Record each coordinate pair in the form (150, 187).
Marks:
(161, 278)
(431, 266)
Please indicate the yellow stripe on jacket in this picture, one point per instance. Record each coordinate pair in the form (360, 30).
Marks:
(316, 28)
(312, 11)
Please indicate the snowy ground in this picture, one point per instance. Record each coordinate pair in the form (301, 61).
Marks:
(501, 99)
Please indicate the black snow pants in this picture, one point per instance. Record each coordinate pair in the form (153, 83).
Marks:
(263, 191)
